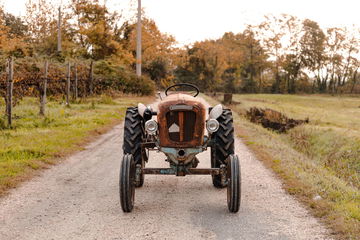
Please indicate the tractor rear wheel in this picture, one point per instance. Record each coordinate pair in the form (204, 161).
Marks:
(134, 134)
(234, 184)
(223, 145)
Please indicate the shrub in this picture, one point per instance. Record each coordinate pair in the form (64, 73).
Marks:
(140, 85)
(113, 77)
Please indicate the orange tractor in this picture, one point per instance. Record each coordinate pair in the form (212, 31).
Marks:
(180, 130)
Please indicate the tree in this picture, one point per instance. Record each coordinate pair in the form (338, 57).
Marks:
(213, 63)
(16, 26)
(40, 18)
(12, 30)
(229, 79)
(271, 33)
(158, 51)
(351, 63)
(253, 62)
(95, 29)
(204, 64)
(292, 64)
(313, 52)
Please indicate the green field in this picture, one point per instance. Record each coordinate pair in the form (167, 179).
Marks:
(338, 113)
(34, 142)
(319, 161)
(333, 136)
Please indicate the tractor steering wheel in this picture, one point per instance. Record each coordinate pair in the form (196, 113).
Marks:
(183, 84)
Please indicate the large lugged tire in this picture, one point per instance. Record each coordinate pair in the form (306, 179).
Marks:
(127, 183)
(223, 144)
(234, 184)
(133, 136)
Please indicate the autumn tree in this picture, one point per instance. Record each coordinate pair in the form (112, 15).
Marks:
(158, 51)
(231, 63)
(12, 35)
(292, 62)
(40, 19)
(312, 51)
(347, 69)
(205, 65)
(271, 33)
(3, 31)
(94, 29)
(253, 62)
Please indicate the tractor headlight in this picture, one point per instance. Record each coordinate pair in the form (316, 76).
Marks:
(212, 125)
(151, 127)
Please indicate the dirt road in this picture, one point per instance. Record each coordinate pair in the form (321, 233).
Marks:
(79, 199)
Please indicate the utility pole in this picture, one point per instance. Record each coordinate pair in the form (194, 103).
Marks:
(59, 32)
(138, 41)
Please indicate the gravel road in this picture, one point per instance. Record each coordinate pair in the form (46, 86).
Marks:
(78, 199)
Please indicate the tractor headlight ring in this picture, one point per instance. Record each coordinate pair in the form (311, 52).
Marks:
(212, 125)
(151, 127)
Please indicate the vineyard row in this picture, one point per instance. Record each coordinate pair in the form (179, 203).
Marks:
(43, 82)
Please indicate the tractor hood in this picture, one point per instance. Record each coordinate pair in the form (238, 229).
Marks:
(181, 119)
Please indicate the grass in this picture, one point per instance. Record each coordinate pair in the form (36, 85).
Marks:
(319, 162)
(34, 142)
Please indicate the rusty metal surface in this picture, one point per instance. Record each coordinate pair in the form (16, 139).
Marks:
(159, 171)
(204, 171)
(197, 107)
(189, 154)
(189, 171)
(148, 145)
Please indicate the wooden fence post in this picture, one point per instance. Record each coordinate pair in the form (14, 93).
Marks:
(43, 96)
(91, 77)
(9, 90)
(7, 69)
(68, 85)
(76, 82)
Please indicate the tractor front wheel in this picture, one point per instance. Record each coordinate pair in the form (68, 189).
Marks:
(127, 183)
(234, 183)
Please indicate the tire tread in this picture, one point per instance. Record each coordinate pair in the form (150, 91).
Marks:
(133, 136)
(224, 144)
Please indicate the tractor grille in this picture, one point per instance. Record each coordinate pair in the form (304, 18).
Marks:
(181, 125)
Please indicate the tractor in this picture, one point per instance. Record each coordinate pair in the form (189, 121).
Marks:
(180, 129)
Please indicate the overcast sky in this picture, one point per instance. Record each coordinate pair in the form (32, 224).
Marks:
(193, 20)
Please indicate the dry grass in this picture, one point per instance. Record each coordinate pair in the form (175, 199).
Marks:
(35, 142)
(319, 162)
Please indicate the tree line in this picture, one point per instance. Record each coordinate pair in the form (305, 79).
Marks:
(90, 32)
(283, 54)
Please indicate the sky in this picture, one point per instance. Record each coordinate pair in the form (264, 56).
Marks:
(195, 20)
